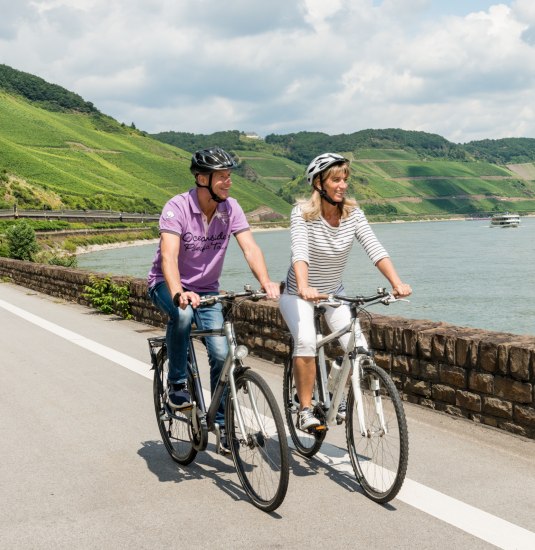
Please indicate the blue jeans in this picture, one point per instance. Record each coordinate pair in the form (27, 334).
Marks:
(177, 338)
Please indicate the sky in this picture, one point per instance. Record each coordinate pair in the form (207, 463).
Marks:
(464, 69)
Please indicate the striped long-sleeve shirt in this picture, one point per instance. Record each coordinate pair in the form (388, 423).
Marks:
(326, 249)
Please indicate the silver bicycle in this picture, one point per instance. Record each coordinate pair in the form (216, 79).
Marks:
(254, 424)
(376, 428)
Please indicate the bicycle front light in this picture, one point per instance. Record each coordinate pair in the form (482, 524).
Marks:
(241, 352)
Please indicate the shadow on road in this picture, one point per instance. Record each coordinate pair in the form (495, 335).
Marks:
(329, 463)
(207, 465)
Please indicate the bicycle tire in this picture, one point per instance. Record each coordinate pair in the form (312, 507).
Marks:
(306, 444)
(379, 459)
(261, 454)
(175, 429)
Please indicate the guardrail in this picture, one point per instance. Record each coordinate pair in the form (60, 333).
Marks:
(80, 215)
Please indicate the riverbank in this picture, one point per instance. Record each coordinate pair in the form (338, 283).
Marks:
(107, 246)
(125, 244)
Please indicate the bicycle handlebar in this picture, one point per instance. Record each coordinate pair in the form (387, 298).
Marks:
(382, 296)
(254, 295)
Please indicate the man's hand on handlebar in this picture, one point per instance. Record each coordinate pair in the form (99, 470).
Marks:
(189, 298)
(272, 290)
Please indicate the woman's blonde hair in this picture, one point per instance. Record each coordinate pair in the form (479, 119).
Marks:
(311, 207)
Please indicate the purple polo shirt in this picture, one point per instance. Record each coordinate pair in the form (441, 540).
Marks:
(202, 249)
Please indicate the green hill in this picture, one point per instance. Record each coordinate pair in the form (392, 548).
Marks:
(57, 151)
(259, 161)
(394, 183)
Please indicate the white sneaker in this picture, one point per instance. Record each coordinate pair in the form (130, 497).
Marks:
(342, 410)
(306, 420)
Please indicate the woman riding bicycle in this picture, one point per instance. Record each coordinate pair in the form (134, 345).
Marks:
(322, 232)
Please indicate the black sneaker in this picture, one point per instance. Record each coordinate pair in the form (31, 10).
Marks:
(179, 396)
(224, 448)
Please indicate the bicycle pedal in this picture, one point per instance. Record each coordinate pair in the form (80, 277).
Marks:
(186, 408)
(320, 428)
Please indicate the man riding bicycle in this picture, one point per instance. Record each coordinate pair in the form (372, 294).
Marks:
(195, 230)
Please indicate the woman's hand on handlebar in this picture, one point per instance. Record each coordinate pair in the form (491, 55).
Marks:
(401, 290)
(310, 294)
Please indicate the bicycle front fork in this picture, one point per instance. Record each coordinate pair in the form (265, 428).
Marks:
(356, 378)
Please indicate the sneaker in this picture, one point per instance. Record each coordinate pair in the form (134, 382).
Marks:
(342, 410)
(224, 448)
(179, 396)
(306, 420)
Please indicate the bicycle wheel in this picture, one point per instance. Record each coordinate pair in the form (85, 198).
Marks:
(379, 456)
(261, 453)
(307, 444)
(175, 427)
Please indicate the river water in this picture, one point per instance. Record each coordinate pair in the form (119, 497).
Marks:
(462, 272)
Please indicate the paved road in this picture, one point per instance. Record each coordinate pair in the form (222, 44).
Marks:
(83, 465)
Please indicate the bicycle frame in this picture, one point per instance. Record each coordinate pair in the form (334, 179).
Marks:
(226, 378)
(378, 456)
(254, 428)
(351, 362)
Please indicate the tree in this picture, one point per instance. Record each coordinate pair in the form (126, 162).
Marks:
(21, 241)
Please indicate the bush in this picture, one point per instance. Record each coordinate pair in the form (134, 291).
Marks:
(68, 260)
(56, 257)
(108, 297)
(21, 241)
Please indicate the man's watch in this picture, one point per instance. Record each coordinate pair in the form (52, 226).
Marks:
(176, 299)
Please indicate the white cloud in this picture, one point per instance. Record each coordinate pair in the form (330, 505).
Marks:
(338, 66)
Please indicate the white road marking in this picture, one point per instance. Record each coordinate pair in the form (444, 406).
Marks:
(469, 519)
(122, 359)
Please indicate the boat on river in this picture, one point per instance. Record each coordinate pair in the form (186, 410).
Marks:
(505, 219)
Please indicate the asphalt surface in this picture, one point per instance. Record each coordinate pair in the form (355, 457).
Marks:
(83, 465)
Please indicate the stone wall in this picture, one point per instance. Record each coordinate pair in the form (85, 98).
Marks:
(488, 377)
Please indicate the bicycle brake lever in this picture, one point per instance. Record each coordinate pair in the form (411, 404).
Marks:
(390, 299)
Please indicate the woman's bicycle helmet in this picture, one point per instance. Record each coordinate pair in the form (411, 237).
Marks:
(318, 166)
(321, 163)
(209, 160)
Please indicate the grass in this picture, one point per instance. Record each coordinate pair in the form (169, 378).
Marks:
(383, 154)
(442, 168)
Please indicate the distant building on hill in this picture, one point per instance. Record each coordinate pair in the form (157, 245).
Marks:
(252, 135)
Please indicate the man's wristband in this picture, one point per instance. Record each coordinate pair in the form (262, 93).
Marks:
(176, 299)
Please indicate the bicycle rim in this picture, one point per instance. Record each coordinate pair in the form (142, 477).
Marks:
(175, 429)
(379, 458)
(261, 453)
(306, 444)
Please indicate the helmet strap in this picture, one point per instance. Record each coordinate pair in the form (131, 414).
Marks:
(325, 197)
(210, 190)
(323, 193)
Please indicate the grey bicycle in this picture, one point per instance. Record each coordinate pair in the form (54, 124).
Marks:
(254, 424)
(376, 428)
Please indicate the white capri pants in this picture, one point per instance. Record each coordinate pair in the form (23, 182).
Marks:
(299, 316)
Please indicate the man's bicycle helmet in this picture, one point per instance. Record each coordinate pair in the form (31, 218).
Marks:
(211, 159)
(321, 163)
